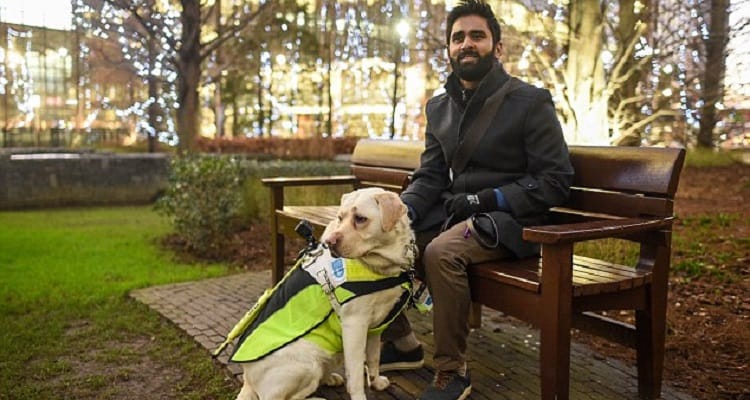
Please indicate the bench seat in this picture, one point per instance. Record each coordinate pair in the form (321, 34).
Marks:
(590, 275)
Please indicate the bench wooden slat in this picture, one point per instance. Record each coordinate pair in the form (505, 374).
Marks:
(310, 180)
(590, 276)
(319, 216)
(647, 170)
(387, 178)
(596, 264)
(523, 274)
(618, 203)
(388, 153)
(591, 230)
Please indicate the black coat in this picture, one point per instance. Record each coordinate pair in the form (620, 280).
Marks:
(523, 153)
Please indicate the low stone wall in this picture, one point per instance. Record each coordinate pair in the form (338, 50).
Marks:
(56, 179)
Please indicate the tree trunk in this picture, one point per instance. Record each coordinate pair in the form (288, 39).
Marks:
(585, 118)
(189, 64)
(625, 116)
(219, 108)
(153, 92)
(713, 78)
(261, 116)
(329, 48)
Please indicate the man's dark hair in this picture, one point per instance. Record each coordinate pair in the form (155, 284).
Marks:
(473, 7)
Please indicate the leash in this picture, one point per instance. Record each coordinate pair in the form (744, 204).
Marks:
(420, 298)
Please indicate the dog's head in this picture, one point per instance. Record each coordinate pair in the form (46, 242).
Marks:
(372, 225)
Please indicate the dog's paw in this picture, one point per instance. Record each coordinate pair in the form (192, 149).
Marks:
(380, 383)
(333, 379)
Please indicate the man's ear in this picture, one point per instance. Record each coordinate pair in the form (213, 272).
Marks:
(499, 49)
(391, 209)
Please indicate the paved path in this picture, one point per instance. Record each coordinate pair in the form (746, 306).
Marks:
(503, 356)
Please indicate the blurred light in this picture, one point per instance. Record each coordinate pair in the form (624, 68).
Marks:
(523, 64)
(403, 29)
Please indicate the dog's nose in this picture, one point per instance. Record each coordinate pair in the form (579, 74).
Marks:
(331, 239)
(332, 245)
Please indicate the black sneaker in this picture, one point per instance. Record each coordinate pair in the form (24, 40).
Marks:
(393, 359)
(448, 385)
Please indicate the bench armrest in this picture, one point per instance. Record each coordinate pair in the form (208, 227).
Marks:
(577, 232)
(309, 180)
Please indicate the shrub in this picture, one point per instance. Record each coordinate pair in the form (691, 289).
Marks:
(202, 200)
(209, 197)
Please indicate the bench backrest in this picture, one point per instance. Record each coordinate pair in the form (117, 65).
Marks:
(385, 163)
(609, 182)
(625, 181)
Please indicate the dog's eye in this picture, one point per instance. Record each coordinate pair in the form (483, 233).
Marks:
(358, 219)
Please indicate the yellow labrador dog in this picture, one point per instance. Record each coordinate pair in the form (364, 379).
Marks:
(373, 230)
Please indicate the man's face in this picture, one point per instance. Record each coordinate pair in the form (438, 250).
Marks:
(470, 49)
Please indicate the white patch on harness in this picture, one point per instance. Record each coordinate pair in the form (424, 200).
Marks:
(328, 271)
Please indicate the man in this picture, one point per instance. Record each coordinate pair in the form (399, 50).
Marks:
(472, 210)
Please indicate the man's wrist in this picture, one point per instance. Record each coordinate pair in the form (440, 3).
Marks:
(410, 212)
(487, 200)
(502, 204)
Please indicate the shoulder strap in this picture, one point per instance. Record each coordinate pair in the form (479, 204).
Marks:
(479, 127)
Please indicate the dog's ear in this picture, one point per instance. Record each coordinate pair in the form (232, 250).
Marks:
(391, 209)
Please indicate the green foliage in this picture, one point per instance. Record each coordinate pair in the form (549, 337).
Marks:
(256, 204)
(701, 157)
(613, 250)
(210, 196)
(689, 267)
(203, 199)
(697, 251)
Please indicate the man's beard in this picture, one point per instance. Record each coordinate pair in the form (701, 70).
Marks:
(473, 72)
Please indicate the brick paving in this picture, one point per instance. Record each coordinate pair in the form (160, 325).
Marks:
(503, 357)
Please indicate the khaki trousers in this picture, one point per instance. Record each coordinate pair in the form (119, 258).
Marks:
(442, 262)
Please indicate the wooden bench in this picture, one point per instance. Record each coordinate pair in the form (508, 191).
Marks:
(618, 192)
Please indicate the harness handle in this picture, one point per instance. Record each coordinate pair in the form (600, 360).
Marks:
(305, 229)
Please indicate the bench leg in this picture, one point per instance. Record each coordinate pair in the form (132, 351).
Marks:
(650, 332)
(277, 238)
(277, 266)
(649, 354)
(556, 304)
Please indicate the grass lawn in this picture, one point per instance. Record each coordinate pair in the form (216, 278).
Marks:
(69, 331)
